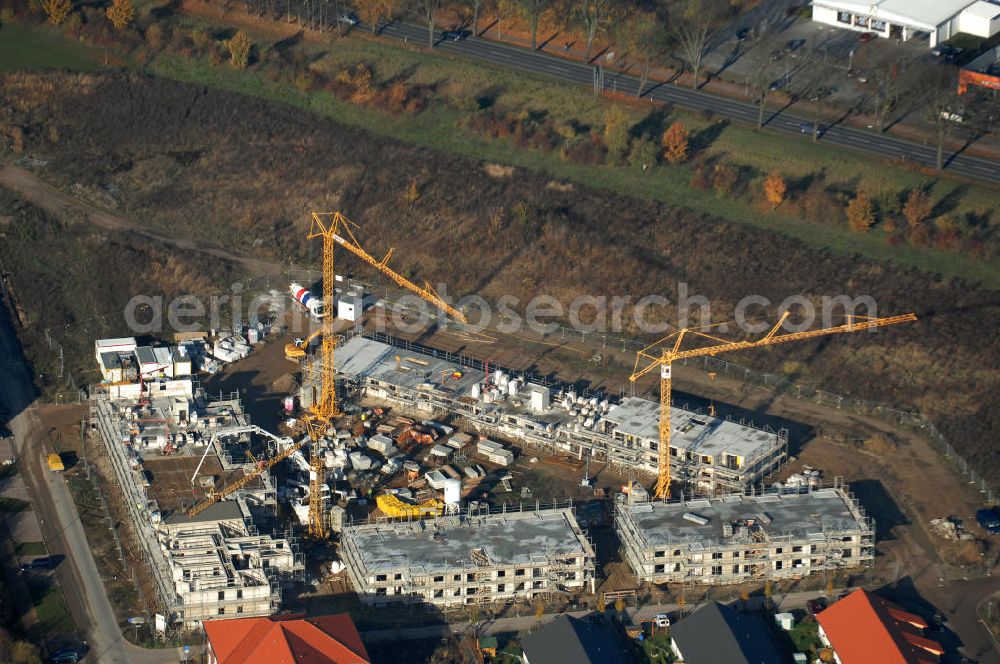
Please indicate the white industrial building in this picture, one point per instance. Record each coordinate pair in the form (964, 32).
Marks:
(904, 19)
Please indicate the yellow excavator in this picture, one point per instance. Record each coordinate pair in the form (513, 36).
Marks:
(297, 349)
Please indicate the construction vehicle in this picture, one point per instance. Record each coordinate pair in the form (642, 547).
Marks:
(297, 349)
(392, 506)
(666, 351)
(55, 463)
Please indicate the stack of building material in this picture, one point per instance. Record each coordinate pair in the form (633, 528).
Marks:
(382, 444)
(442, 451)
(458, 441)
(436, 479)
(359, 461)
(494, 452)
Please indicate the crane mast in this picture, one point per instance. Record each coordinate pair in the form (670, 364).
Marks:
(666, 351)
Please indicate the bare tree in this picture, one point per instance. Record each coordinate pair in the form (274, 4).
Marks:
(532, 10)
(694, 23)
(594, 16)
(476, 6)
(645, 41)
(427, 10)
(944, 105)
(760, 66)
(812, 83)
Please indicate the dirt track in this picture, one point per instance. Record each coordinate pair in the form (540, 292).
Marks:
(56, 202)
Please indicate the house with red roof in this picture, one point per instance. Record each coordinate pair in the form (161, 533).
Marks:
(864, 628)
(285, 640)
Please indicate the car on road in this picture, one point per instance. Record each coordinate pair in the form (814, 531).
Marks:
(66, 656)
(779, 84)
(814, 606)
(455, 35)
(350, 18)
(37, 563)
(866, 37)
(809, 127)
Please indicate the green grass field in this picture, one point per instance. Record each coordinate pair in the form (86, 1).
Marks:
(50, 605)
(13, 504)
(32, 549)
(34, 48)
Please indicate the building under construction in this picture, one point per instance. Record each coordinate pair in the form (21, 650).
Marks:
(709, 454)
(169, 446)
(468, 559)
(744, 537)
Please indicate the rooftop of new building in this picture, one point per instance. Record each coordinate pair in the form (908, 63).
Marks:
(446, 543)
(795, 515)
(701, 434)
(365, 358)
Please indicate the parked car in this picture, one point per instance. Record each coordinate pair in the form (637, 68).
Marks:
(661, 620)
(742, 34)
(779, 84)
(814, 606)
(455, 35)
(795, 45)
(866, 37)
(37, 563)
(66, 656)
(988, 518)
(822, 93)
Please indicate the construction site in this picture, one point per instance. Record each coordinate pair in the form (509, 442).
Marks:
(404, 459)
(739, 538)
(469, 558)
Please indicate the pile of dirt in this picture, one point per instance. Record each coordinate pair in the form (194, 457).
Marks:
(244, 173)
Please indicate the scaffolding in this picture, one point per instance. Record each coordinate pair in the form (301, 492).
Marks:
(750, 547)
(465, 560)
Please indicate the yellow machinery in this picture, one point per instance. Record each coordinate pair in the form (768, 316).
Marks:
(392, 506)
(666, 351)
(296, 351)
(55, 463)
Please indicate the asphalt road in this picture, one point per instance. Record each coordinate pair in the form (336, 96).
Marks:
(879, 145)
(64, 535)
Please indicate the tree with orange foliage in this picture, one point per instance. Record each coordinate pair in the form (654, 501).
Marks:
(860, 213)
(373, 11)
(675, 143)
(775, 189)
(57, 10)
(120, 13)
(918, 208)
(239, 50)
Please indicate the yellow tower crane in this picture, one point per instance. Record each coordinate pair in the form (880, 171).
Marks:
(669, 351)
(336, 230)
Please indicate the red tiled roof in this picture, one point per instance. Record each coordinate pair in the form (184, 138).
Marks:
(321, 640)
(867, 629)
